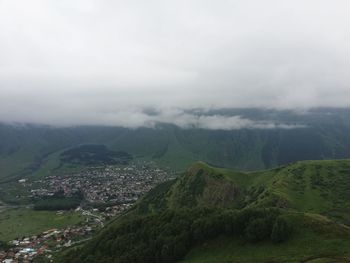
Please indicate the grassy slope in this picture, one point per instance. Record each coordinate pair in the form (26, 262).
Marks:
(312, 187)
(314, 192)
(299, 249)
(23, 222)
(308, 186)
(314, 238)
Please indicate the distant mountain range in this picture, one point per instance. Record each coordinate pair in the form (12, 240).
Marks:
(319, 134)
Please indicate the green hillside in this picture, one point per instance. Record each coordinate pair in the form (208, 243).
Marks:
(309, 186)
(294, 213)
(313, 241)
(27, 150)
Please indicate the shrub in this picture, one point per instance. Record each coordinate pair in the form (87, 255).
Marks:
(257, 230)
(281, 230)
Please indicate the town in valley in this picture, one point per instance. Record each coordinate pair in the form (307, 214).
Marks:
(103, 193)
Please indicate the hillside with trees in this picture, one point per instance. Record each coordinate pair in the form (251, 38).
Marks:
(213, 214)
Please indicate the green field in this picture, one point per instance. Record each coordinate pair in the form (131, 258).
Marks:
(19, 222)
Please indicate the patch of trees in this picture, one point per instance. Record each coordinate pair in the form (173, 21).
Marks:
(95, 154)
(168, 236)
(4, 245)
(59, 202)
(155, 199)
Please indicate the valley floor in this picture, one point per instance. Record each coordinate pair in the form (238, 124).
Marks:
(21, 221)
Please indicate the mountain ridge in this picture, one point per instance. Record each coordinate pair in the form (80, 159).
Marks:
(325, 136)
(212, 199)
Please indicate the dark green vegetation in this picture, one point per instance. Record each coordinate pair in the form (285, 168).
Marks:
(295, 213)
(58, 202)
(94, 154)
(169, 236)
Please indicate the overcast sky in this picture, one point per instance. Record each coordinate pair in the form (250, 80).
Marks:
(102, 62)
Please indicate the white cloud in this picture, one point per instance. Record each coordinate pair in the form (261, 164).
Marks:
(89, 61)
(137, 118)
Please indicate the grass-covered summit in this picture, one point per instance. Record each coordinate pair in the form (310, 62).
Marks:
(295, 213)
(320, 187)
